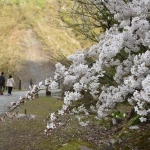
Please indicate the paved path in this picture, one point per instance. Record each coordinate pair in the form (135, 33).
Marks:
(6, 100)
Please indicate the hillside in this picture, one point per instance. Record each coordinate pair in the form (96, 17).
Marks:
(30, 33)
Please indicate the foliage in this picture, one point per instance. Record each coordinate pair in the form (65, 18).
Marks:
(123, 49)
(86, 17)
(120, 71)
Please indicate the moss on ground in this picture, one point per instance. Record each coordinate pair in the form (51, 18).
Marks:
(76, 145)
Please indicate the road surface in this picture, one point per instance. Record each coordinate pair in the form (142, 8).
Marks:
(6, 100)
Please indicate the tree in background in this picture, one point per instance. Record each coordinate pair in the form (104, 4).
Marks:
(121, 70)
(89, 18)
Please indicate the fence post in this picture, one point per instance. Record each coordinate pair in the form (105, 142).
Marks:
(31, 82)
(19, 84)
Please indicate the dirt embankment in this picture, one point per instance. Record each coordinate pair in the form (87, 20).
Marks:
(36, 64)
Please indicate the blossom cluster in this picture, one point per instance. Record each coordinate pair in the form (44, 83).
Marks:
(124, 48)
(120, 67)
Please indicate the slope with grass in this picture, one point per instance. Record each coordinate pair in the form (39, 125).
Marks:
(31, 36)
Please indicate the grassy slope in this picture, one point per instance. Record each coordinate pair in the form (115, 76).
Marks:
(17, 16)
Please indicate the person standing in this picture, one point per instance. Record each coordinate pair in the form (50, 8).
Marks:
(2, 83)
(10, 84)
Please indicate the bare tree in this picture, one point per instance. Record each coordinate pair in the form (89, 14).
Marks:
(88, 18)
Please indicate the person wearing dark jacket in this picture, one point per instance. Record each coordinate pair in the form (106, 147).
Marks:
(2, 83)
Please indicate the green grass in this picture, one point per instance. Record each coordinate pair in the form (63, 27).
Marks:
(41, 107)
(25, 133)
(75, 145)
